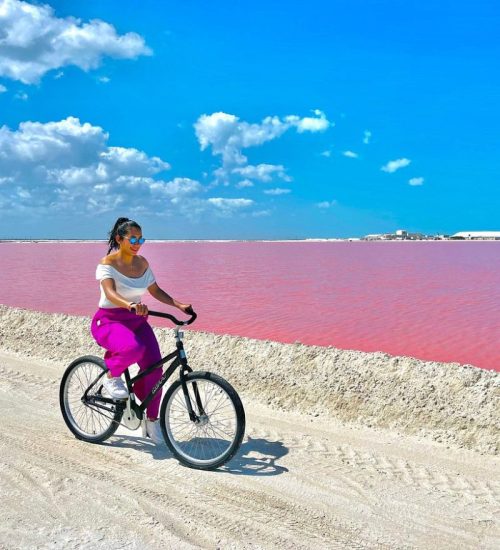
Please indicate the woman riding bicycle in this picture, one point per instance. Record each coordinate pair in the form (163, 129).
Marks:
(120, 324)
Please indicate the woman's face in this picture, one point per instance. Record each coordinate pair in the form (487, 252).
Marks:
(125, 244)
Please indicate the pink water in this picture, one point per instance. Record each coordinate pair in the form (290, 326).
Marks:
(432, 300)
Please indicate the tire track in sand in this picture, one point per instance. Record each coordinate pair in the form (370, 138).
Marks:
(363, 465)
(218, 507)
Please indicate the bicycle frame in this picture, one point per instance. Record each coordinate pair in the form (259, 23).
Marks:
(179, 360)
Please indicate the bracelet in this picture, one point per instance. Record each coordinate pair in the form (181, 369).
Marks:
(130, 305)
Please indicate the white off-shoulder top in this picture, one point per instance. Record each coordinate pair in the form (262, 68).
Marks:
(131, 288)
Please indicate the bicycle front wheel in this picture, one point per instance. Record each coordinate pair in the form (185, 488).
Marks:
(89, 418)
(216, 434)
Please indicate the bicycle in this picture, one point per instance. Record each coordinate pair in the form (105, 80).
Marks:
(201, 415)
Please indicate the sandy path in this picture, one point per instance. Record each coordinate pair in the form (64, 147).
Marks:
(298, 482)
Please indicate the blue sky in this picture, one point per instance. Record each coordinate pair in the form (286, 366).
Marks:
(231, 120)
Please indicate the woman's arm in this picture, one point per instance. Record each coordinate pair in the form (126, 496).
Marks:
(108, 285)
(164, 298)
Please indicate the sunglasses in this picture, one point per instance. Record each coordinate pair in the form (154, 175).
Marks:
(135, 240)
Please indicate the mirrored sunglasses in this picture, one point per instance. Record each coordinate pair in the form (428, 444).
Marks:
(135, 240)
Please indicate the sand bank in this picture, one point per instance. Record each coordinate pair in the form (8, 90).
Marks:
(446, 402)
(299, 481)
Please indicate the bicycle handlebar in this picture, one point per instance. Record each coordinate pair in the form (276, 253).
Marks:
(172, 318)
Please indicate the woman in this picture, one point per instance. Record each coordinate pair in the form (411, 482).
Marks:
(125, 333)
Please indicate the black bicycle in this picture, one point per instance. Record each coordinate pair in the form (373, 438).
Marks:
(201, 415)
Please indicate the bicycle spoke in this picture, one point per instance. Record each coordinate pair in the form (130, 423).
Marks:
(219, 408)
(190, 432)
(221, 432)
(215, 439)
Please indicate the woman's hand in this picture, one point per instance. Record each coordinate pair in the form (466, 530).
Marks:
(164, 298)
(140, 309)
(186, 308)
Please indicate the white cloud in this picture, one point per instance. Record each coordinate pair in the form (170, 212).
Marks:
(228, 207)
(34, 41)
(3, 89)
(63, 143)
(22, 96)
(326, 154)
(277, 191)
(104, 79)
(326, 204)
(132, 162)
(262, 172)
(23, 193)
(227, 135)
(350, 154)
(222, 174)
(367, 137)
(319, 123)
(68, 165)
(244, 183)
(177, 187)
(416, 181)
(394, 165)
(261, 213)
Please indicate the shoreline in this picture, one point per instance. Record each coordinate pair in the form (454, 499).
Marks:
(454, 363)
(445, 402)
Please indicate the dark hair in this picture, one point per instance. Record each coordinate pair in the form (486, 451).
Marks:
(121, 227)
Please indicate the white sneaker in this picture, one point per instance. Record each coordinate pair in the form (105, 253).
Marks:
(152, 429)
(115, 387)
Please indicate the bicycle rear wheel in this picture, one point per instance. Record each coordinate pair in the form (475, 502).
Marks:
(86, 416)
(216, 436)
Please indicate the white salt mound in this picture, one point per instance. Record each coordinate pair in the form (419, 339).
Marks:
(448, 402)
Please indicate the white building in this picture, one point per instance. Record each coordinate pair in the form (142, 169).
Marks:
(477, 235)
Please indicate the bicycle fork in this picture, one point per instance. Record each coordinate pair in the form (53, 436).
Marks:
(186, 368)
(187, 398)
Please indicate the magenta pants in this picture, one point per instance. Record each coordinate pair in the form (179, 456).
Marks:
(128, 338)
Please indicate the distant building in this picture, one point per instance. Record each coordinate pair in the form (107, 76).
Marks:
(399, 235)
(477, 235)
(403, 235)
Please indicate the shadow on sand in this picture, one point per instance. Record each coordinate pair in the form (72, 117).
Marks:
(255, 457)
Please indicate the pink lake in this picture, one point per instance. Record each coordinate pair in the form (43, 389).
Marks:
(432, 300)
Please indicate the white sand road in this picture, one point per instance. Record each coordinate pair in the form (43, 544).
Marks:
(299, 480)
(296, 483)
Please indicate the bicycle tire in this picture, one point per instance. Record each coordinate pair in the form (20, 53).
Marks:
(215, 438)
(86, 422)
